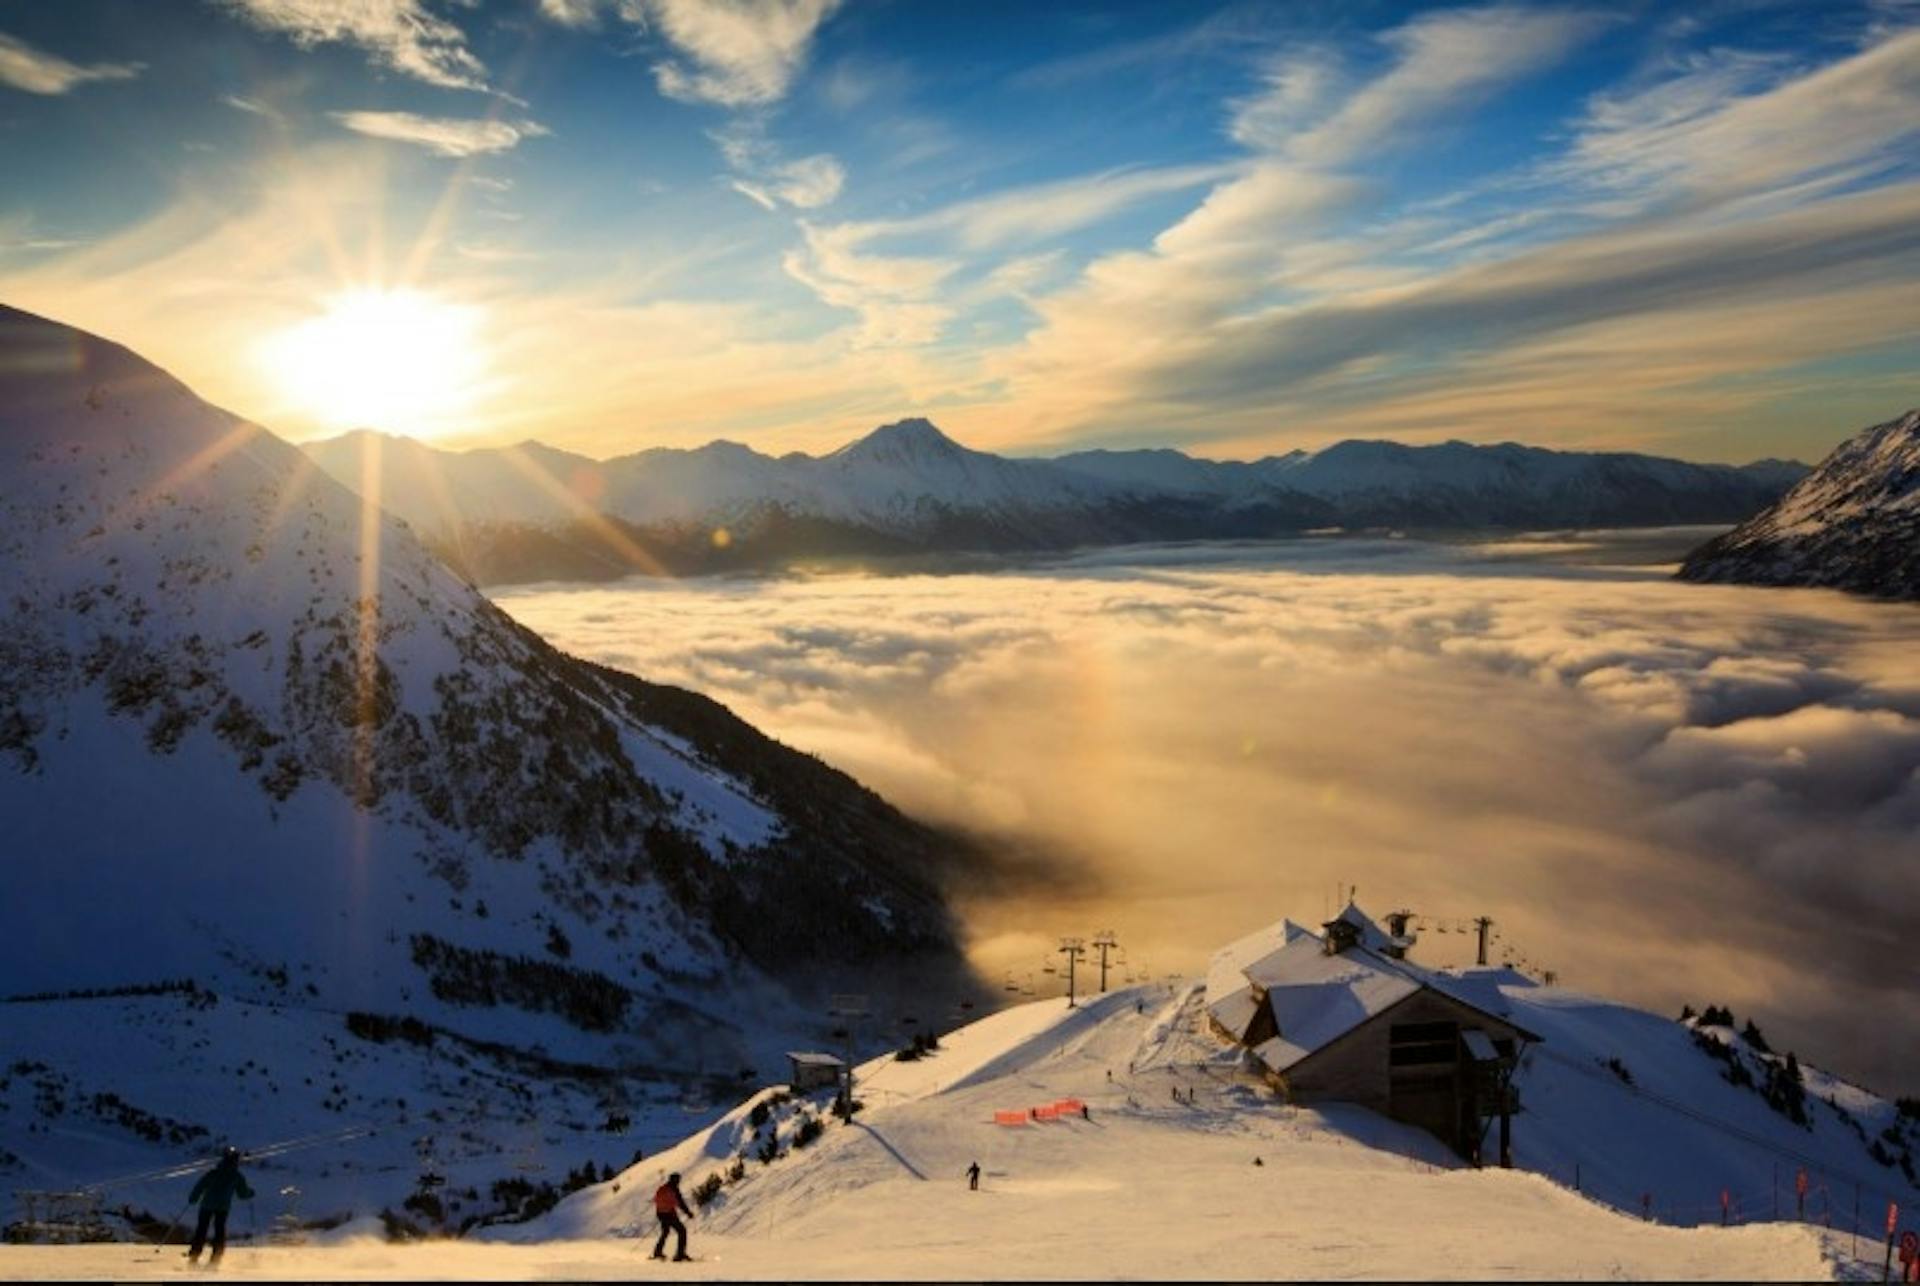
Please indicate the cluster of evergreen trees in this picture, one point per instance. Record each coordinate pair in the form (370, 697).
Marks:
(468, 976)
(1781, 1083)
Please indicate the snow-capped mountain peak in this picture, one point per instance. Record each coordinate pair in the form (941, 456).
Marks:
(903, 443)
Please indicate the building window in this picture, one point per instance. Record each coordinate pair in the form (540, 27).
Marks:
(1423, 1044)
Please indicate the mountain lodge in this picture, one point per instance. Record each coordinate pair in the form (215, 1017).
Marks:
(1343, 1016)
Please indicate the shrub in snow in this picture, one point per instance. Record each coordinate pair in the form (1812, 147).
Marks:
(810, 1129)
(708, 1189)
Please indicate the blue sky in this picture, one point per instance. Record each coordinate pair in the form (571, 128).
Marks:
(1235, 229)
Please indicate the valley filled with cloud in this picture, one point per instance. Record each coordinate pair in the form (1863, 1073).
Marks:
(1671, 793)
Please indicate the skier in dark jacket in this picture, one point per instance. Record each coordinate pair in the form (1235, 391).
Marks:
(973, 1177)
(668, 1206)
(215, 1192)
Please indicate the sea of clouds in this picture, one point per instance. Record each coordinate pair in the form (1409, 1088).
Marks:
(1664, 792)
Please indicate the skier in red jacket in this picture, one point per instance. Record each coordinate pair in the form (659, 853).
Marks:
(668, 1206)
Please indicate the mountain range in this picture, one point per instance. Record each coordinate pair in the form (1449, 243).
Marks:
(1852, 524)
(531, 512)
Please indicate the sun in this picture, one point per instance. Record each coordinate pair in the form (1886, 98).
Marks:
(401, 361)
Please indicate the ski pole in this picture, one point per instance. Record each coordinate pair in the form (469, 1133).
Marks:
(165, 1236)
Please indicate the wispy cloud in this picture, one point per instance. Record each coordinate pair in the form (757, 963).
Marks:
(445, 135)
(1273, 298)
(400, 34)
(805, 184)
(896, 296)
(251, 106)
(733, 53)
(1443, 63)
(38, 72)
(1726, 125)
(737, 53)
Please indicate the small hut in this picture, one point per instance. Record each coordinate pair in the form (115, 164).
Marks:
(815, 1071)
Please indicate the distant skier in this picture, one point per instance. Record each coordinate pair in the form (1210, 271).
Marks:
(668, 1206)
(215, 1191)
(973, 1177)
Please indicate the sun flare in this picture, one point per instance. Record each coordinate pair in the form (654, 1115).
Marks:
(401, 361)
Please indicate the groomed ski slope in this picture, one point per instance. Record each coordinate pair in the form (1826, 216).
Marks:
(1145, 1188)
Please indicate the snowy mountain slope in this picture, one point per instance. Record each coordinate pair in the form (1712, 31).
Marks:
(1853, 523)
(513, 514)
(253, 734)
(1145, 1185)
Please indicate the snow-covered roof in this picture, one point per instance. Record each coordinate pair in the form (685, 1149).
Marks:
(1235, 1010)
(1226, 972)
(816, 1060)
(1317, 998)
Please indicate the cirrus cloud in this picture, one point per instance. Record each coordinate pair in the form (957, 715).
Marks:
(445, 135)
(401, 34)
(36, 71)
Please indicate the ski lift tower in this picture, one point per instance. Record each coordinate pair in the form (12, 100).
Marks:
(849, 1009)
(1105, 941)
(1072, 949)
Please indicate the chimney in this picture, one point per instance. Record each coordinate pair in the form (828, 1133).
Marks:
(1341, 936)
(1402, 941)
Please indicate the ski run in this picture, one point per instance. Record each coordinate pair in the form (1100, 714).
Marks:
(1184, 1165)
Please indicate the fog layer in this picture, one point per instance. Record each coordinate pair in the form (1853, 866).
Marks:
(1664, 792)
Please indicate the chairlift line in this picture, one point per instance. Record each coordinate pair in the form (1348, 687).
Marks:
(299, 1143)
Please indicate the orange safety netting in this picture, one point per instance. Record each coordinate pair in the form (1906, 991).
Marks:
(1009, 1118)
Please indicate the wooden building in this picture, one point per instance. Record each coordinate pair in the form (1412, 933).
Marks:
(815, 1071)
(1342, 1016)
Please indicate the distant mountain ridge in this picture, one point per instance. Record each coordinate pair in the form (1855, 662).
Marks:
(1852, 524)
(531, 512)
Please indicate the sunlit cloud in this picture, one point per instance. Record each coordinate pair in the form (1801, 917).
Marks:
(251, 106)
(400, 34)
(805, 184)
(736, 53)
(896, 296)
(445, 135)
(1733, 772)
(36, 71)
(1443, 63)
(733, 53)
(1727, 125)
